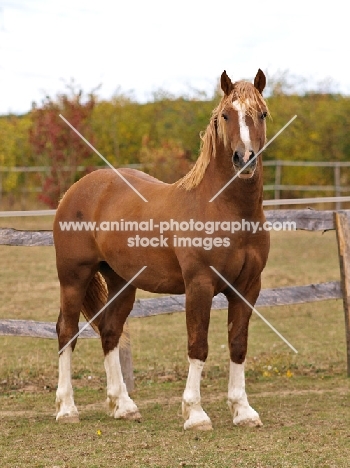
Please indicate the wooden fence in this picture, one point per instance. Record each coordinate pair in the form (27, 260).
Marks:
(337, 188)
(310, 220)
(340, 186)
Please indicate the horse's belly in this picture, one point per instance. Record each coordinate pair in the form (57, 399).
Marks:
(161, 275)
(154, 282)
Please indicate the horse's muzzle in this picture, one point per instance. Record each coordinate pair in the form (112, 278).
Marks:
(244, 163)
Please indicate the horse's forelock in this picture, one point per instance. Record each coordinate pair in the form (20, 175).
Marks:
(246, 93)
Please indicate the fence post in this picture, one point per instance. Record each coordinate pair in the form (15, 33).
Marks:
(337, 187)
(126, 358)
(278, 178)
(342, 226)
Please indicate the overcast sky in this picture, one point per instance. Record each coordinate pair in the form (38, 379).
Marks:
(178, 46)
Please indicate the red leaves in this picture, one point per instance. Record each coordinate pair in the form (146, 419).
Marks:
(167, 162)
(55, 144)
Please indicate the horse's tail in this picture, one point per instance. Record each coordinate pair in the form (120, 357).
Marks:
(95, 298)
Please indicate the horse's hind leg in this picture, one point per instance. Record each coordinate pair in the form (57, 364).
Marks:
(74, 282)
(120, 405)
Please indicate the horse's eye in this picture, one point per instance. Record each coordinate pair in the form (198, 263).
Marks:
(263, 115)
(224, 116)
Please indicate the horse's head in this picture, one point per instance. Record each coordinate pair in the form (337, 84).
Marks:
(241, 121)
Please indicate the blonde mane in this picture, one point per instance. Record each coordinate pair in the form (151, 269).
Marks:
(207, 150)
(244, 92)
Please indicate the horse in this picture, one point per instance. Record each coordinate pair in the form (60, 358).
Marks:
(98, 267)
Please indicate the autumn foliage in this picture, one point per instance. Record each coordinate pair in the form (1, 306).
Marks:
(162, 136)
(55, 144)
(167, 162)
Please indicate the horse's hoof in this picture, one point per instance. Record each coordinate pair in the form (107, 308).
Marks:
(256, 422)
(133, 416)
(244, 416)
(68, 419)
(200, 426)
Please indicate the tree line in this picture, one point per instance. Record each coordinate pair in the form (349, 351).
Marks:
(163, 135)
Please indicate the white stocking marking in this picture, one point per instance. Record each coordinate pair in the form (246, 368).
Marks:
(192, 410)
(65, 406)
(237, 398)
(119, 403)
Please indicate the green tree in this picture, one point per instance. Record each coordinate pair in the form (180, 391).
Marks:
(320, 132)
(14, 148)
(119, 126)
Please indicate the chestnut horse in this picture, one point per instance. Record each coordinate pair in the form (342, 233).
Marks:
(94, 264)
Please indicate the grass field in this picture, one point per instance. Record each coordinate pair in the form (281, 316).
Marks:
(302, 399)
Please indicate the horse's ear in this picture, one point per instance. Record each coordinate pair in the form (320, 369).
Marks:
(226, 84)
(260, 81)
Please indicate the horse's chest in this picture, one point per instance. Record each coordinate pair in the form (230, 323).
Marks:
(248, 255)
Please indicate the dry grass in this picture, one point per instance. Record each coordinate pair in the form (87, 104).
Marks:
(303, 399)
(300, 431)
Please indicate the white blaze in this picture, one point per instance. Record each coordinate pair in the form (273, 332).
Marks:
(243, 128)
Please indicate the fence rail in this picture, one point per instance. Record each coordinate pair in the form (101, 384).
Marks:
(171, 304)
(310, 220)
(338, 187)
(286, 201)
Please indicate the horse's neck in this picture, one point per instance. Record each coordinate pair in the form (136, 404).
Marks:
(248, 195)
(244, 196)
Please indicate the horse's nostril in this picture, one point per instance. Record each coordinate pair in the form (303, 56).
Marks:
(235, 158)
(238, 159)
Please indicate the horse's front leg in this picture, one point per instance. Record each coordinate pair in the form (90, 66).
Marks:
(198, 304)
(238, 320)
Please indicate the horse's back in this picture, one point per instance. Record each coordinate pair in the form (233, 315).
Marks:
(104, 197)
(134, 173)
(92, 189)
